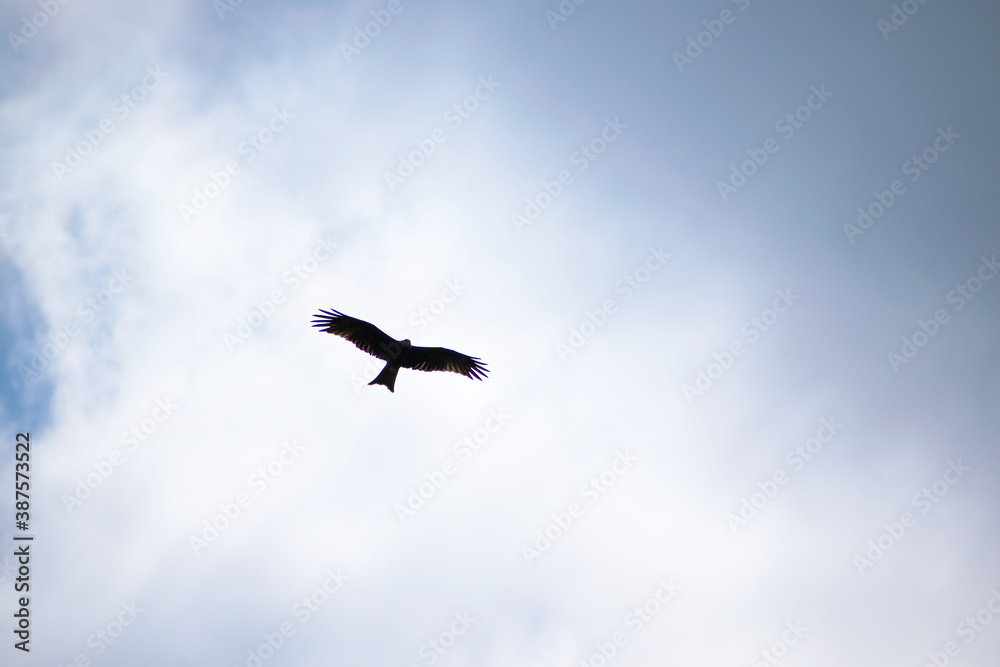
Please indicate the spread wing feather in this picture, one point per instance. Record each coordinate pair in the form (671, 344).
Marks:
(443, 359)
(368, 337)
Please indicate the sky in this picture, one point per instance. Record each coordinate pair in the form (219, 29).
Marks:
(730, 266)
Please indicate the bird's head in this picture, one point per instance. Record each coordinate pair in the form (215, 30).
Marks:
(405, 342)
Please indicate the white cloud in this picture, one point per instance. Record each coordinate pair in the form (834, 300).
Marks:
(329, 504)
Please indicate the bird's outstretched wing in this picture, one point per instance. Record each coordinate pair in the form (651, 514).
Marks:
(367, 337)
(443, 359)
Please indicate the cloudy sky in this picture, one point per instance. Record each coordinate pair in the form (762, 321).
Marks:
(730, 265)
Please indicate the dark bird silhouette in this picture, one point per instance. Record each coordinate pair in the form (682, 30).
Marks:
(396, 353)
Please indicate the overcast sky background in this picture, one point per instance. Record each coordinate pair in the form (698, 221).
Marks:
(174, 286)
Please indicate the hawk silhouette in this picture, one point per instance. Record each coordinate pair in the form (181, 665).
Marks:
(396, 353)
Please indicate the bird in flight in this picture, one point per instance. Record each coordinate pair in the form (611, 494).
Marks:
(396, 353)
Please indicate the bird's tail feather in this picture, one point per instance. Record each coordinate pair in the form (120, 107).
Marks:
(387, 377)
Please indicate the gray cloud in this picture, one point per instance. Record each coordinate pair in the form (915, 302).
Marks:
(217, 146)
